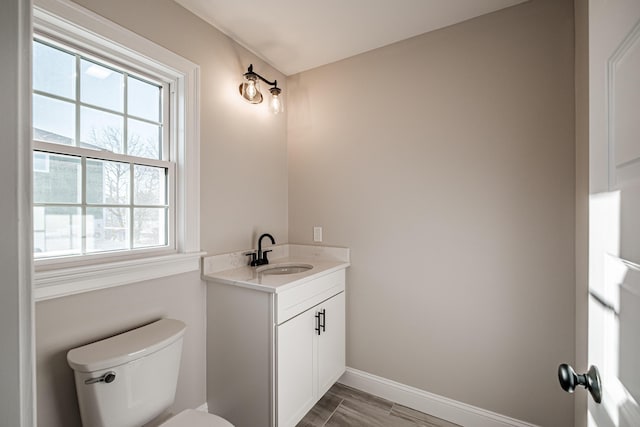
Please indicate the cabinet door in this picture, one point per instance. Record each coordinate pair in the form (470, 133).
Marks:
(295, 367)
(331, 343)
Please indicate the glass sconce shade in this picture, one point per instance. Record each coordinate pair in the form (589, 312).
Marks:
(275, 105)
(250, 89)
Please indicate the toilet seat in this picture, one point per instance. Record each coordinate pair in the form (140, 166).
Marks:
(193, 418)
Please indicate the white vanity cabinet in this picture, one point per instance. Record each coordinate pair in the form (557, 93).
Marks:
(273, 352)
(311, 357)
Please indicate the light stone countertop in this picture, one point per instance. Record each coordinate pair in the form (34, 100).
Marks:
(231, 269)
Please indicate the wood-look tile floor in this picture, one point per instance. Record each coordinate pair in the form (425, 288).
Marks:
(344, 406)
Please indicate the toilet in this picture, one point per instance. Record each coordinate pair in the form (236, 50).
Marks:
(130, 379)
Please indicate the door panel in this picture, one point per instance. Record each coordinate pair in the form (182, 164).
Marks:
(295, 379)
(625, 102)
(629, 337)
(331, 344)
(614, 209)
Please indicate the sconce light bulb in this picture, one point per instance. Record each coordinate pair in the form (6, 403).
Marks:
(251, 89)
(276, 103)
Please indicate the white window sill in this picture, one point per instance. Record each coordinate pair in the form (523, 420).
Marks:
(70, 281)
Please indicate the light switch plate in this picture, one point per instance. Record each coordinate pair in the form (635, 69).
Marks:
(317, 234)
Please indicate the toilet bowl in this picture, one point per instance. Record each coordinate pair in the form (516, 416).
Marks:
(130, 379)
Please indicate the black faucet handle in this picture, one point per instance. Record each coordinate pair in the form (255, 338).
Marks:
(253, 255)
(264, 256)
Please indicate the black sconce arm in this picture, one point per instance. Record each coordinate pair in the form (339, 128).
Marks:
(250, 72)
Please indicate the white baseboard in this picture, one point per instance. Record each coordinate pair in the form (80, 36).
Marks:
(423, 401)
(204, 407)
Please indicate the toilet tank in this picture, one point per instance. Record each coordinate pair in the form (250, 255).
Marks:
(129, 379)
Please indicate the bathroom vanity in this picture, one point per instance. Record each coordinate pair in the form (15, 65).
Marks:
(275, 333)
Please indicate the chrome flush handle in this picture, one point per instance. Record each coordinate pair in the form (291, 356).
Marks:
(108, 377)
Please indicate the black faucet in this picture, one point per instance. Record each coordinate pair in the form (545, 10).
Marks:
(262, 255)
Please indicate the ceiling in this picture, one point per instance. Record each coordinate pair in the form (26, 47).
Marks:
(297, 35)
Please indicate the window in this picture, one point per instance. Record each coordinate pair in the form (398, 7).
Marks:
(116, 155)
(101, 164)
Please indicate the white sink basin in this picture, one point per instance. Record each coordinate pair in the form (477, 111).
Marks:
(283, 269)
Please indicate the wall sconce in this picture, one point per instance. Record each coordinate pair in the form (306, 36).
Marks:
(250, 90)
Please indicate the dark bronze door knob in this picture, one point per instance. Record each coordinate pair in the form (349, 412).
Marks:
(569, 380)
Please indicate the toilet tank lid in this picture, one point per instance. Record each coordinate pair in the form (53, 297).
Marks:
(125, 347)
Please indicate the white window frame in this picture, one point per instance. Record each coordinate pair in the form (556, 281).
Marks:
(165, 162)
(69, 23)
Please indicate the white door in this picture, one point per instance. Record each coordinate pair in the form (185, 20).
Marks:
(331, 343)
(296, 347)
(614, 209)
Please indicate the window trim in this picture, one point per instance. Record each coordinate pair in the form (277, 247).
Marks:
(73, 24)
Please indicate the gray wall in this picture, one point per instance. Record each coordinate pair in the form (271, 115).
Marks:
(446, 163)
(243, 167)
(243, 192)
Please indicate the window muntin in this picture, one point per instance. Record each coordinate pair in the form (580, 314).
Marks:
(101, 131)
